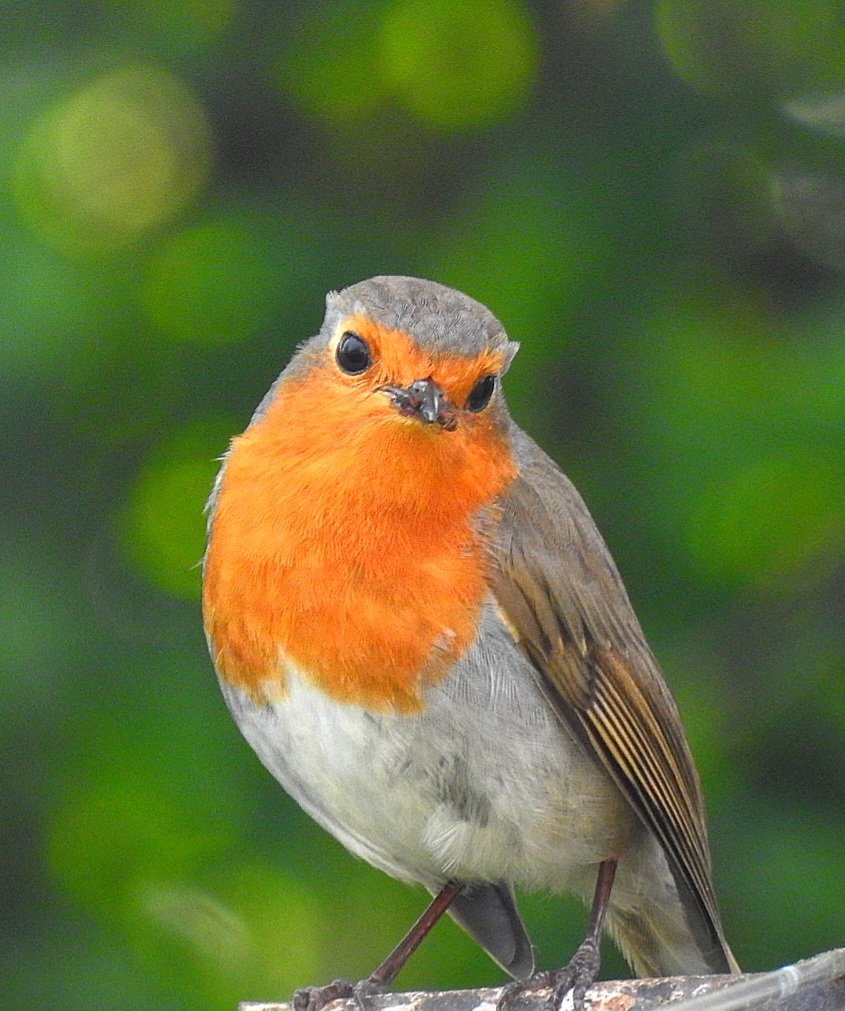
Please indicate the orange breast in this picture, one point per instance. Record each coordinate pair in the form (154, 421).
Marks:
(346, 539)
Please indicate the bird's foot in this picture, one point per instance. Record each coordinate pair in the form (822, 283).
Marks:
(512, 997)
(315, 998)
(578, 975)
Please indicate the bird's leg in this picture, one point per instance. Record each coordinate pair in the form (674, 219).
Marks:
(581, 970)
(384, 975)
(314, 998)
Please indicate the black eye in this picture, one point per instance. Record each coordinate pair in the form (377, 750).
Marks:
(480, 394)
(353, 355)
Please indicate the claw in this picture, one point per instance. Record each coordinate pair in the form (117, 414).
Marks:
(315, 998)
(512, 997)
(577, 976)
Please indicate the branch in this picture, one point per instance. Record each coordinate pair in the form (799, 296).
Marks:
(815, 984)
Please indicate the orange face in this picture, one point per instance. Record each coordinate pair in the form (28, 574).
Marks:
(397, 361)
(348, 530)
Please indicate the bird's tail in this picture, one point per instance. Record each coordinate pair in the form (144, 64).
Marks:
(488, 913)
(657, 923)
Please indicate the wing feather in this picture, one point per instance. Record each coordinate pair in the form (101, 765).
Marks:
(561, 595)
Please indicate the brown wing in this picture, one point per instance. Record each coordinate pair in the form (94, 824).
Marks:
(560, 591)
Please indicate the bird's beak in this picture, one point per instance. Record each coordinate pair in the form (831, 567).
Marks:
(423, 400)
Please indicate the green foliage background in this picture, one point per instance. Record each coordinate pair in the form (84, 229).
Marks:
(651, 196)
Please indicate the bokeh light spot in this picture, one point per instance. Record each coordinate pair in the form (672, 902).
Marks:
(721, 47)
(212, 284)
(331, 65)
(112, 161)
(520, 247)
(822, 112)
(163, 528)
(459, 65)
(709, 44)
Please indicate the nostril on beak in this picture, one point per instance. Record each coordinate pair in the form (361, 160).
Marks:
(423, 399)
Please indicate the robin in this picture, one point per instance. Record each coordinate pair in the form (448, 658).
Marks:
(418, 628)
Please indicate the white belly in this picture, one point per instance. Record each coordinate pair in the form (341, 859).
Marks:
(484, 784)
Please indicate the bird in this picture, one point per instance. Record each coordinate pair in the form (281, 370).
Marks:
(418, 628)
